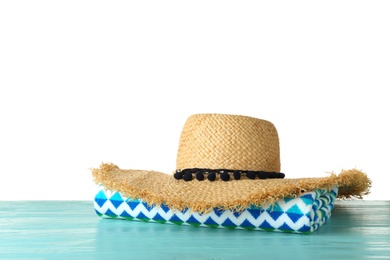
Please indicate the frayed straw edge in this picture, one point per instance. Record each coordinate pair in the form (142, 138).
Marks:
(352, 184)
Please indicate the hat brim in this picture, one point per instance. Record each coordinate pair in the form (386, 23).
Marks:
(158, 188)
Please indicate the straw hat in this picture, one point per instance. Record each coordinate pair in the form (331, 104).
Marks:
(227, 162)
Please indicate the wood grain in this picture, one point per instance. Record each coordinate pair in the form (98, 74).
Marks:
(72, 230)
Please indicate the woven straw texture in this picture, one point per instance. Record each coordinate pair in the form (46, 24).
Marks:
(218, 141)
(157, 188)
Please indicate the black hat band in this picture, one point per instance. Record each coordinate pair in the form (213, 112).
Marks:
(224, 174)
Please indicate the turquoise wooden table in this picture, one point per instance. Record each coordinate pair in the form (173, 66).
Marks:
(72, 230)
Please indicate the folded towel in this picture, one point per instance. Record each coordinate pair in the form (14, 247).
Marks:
(303, 214)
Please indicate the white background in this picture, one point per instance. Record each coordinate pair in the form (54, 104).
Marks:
(85, 82)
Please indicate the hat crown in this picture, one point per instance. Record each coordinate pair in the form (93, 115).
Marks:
(220, 141)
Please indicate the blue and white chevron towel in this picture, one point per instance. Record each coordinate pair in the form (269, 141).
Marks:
(303, 214)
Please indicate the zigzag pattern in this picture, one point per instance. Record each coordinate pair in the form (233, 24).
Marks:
(303, 214)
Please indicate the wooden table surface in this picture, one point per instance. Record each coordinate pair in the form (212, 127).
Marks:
(72, 230)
